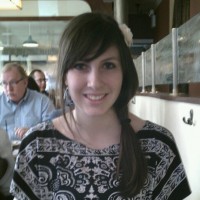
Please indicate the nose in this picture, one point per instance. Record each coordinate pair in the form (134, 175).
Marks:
(94, 78)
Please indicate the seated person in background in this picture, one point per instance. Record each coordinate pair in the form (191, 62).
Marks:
(20, 107)
(6, 164)
(39, 77)
(32, 84)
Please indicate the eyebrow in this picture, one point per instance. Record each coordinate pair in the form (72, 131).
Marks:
(112, 58)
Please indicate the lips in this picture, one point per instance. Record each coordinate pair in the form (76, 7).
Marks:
(95, 97)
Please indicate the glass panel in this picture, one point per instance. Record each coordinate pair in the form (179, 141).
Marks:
(189, 51)
(138, 66)
(163, 54)
(148, 69)
(188, 58)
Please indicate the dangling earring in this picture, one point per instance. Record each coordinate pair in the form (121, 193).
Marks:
(67, 98)
(65, 94)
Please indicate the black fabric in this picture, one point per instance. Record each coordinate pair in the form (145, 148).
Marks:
(51, 166)
(3, 166)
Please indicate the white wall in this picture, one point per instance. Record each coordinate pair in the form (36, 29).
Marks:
(170, 114)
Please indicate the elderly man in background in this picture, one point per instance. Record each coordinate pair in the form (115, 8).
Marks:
(20, 107)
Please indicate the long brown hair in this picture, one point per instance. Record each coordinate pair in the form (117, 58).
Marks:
(91, 34)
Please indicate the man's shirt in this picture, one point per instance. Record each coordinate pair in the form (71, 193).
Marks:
(33, 108)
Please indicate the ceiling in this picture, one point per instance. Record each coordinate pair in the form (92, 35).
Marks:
(47, 33)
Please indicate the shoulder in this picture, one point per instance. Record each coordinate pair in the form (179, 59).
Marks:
(149, 130)
(47, 125)
(154, 130)
(42, 135)
(158, 140)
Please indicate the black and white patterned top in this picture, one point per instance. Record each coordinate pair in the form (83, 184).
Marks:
(51, 166)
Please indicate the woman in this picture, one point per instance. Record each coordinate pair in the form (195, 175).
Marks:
(98, 150)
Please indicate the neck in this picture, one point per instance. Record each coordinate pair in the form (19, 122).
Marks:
(97, 132)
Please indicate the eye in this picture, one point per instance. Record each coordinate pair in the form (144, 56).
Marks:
(80, 66)
(109, 65)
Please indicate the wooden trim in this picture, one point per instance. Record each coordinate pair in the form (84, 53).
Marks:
(188, 92)
(170, 97)
(36, 18)
(194, 89)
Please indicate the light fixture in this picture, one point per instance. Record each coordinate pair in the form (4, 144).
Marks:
(30, 42)
(11, 5)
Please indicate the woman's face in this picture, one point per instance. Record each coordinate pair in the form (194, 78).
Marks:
(95, 85)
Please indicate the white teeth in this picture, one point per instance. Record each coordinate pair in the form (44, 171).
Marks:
(92, 97)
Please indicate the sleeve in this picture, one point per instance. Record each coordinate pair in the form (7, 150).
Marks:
(23, 182)
(170, 178)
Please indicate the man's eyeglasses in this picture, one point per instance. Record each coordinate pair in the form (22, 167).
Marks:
(11, 83)
(41, 80)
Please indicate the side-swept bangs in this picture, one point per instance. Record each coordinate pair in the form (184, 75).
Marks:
(87, 37)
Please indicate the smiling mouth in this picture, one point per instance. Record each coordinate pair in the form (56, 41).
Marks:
(95, 97)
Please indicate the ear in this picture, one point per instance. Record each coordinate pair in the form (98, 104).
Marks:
(26, 82)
